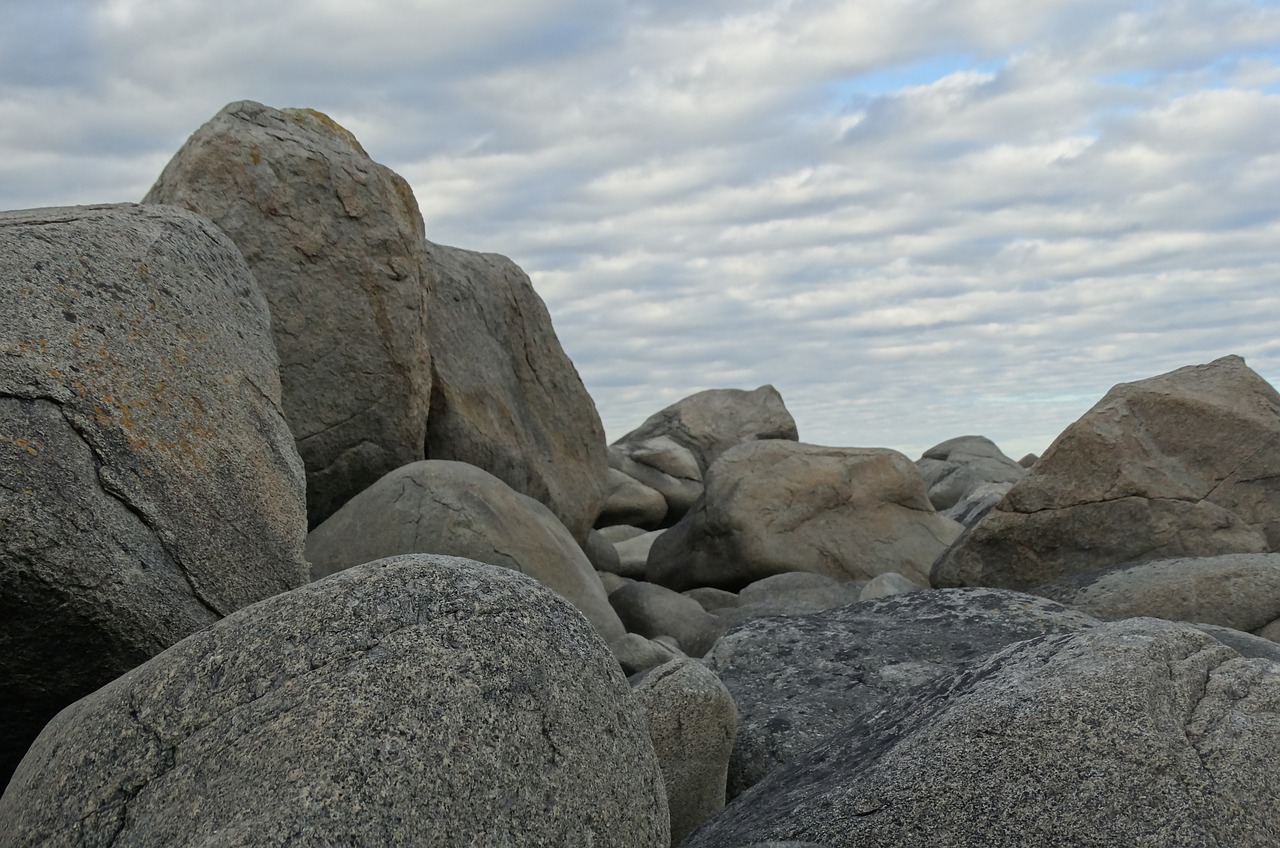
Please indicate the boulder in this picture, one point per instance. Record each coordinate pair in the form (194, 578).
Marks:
(654, 611)
(612, 582)
(601, 552)
(1244, 644)
(797, 680)
(957, 466)
(884, 585)
(150, 483)
(633, 554)
(691, 721)
(664, 465)
(505, 397)
(775, 506)
(443, 507)
(418, 700)
(793, 593)
(1240, 591)
(336, 242)
(1184, 464)
(1140, 732)
(630, 502)
(976, 503)
(636, 654)
(713, 600)
(709, 423)
(621, 533)
(1028, 460)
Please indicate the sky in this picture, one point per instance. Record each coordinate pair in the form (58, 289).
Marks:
(917, 219)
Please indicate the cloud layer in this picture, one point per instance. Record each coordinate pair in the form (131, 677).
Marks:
(916, 218)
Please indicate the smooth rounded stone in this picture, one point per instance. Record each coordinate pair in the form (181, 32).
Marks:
(443, 507)
(612, 582)
(1029, 460)
(1244, 644)
(785, 583)
(884, 585)
(954, 468)
(1183, 464)
(633, 554)
(709, 423)
(636, 654)
(713, 600)
(1240, 591)
(692, 721)
(1139, 732)
(150, 482)
(505, 396)
(797, 680)
(621, 533)
(655, 611)
(665, 466)
(628, 501)
(418, 700)
(336, 242)
(975, 505)
(601, 553)
(776, 506)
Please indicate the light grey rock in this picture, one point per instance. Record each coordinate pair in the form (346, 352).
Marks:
(630, 502)
(336, 242)
(1244, 644)
(792, 593)
(150, 483)
(621, 533)
(655, 611)
(776, 506)
(786, 583)
(1141, 732)
(1183, 464)
(601, 552)
(636, 654)
(612, 582)
(443, 507)
(709, 423)
(505, 396)
(691, 721)
(417, 700)
(713, 600)
(954, 468)
(665, 466)
(797, 680)
(975, 505)
(884, 585)
(633, 554)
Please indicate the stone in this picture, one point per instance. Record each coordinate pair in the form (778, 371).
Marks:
(1240, 591)
(418, 700)
(792, 593)
(797, 680)
(633, 554)
(709, 423)
(713, 600)
(1140, 732)
(612, 582)
(151, 485)
(884, 585)
(692, 720)
(1244, 644)
(601, 552)
(505, 396)
(775, 506)
(335, 240)
(630, 502)
(975, 505)
(654, 611)
(444, 507)
(1183, 464)
(665, 466)
(621, 533)
(957, 466)
(636, 654)
(1028, 460)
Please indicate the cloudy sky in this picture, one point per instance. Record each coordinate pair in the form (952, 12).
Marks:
(916, 218)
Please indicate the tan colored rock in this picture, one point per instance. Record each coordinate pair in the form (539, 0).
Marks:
(665, 466)
(630, 502)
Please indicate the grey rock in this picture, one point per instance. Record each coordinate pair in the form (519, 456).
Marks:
(884, 585)
(797, 680)
(621, 533)
(1183, 464)
(413, 701)
(505, 397)
(977, 502)
(786, 583)
(443, 507)
(335, 241)
(612, 582)
(792, 593)
(954, 468)
(691, 721)
(1244, 644)
(713, 600)
(633, 554)
(1029, 460)
(630, 502)
(1140, 732)
(665, 466)
(776, 506)
(636, 654)
(601, 552)
(655, 611)
(150, 483)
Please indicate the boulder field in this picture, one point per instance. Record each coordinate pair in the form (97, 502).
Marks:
(310, 535)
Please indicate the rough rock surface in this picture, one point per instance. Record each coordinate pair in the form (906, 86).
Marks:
(150, 484)
(630, 502)
(336, 242)
(775, 506)
(664, 465)
(1183, 464)
(954, 468)
(1140, 732)
(691, 721)
(709, 423)
(505, 397)
(413, 701)
(443, 507)
(654, 611)
(799, 679)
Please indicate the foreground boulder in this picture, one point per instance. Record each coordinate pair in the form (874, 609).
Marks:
(442, 507)
(858, 660)
(1184, 464)
(151, 485)
(336, 242)
(776, 506)
(413, 701)
(1140, 732)
(505, 397)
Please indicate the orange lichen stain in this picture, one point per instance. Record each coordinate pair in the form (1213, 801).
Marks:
(255, 155)
(296, 115)
(25, 445)
(143, 270)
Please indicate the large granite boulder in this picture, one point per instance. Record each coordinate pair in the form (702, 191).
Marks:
(1140, 732)
(954, 468)
(505, 396)
(665, 466)
(776, 506)
(1183, 464)
(418, 700)
(150, 484)
(797, 680)
(443, 507)
(336, 242)
(710, 422)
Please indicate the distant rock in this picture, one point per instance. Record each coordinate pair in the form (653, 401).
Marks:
(629, 502)
(663, 465)
(336, 242)
(633, 554)
(954, 468)
(1028, 460)
(654, 611)
(1183, 464)
(976, 503)
(150, 483)
(792, 593)
(418, 700)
